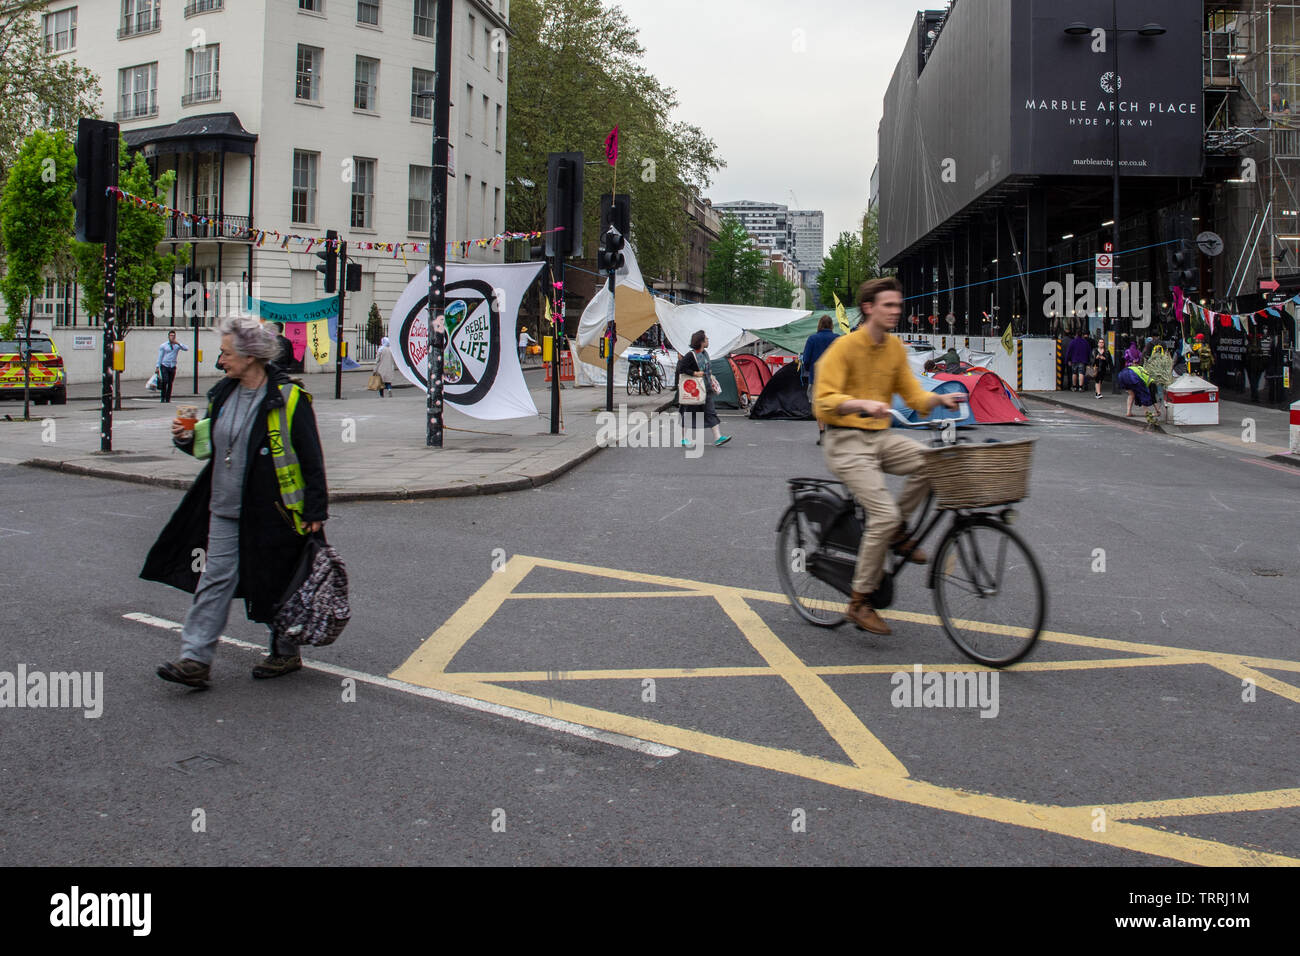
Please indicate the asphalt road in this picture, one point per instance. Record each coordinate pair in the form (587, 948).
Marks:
(786, 761)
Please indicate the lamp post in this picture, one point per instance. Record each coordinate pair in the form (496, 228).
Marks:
(1078, 28)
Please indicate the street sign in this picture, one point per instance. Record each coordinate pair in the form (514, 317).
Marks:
(1105, 274)
(1108, 247)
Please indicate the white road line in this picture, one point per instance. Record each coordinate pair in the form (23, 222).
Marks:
(550, 723)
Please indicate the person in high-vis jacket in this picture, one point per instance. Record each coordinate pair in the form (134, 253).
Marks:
(241, 528)
(857, 379)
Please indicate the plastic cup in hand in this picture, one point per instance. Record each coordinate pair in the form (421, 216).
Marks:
(188, 416)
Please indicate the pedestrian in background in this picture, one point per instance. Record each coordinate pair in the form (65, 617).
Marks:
(1101, 363)
(813, 349)
(385, 368)
(1076, 356)
(167, 353)
(241, 528)
(285, 358)
(525, 340)
(696, 362)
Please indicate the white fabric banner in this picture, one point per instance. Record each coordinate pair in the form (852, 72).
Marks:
(725, 325)
(481, 373)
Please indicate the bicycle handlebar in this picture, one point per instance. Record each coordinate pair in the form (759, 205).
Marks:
(963, 409)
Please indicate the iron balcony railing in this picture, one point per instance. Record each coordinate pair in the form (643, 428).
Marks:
(202, 6)
(139, 25)
(227, 227)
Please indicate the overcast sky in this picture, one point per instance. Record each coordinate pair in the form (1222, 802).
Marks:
(783, 120)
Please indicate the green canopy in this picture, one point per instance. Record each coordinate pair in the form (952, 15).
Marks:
(792, 337)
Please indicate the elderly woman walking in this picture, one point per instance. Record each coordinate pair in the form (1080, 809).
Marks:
(696, 363)
(240, 529)
(385, 367)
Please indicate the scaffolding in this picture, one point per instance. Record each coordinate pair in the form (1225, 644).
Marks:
(1252, 92)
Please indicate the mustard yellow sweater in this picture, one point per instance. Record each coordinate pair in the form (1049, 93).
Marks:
(854, 367)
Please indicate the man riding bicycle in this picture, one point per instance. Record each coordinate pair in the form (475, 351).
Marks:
(858, 376)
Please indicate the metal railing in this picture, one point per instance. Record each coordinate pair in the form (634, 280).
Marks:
(136, 112)
(202, 96)
(203, 6)
(139, 25)
(227, 227)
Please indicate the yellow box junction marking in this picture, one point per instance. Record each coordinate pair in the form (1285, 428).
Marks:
(873, 768)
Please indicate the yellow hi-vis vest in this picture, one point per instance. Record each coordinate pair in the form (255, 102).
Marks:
(288, 473)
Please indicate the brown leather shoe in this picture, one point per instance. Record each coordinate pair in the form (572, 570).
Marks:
(861, 613)
(909, 549)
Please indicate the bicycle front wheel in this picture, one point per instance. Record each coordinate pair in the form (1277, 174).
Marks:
(989, 592)
(632, 381)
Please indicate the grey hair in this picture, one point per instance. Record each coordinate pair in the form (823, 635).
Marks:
(251, 338)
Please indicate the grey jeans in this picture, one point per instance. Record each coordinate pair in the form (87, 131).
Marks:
(208, 614)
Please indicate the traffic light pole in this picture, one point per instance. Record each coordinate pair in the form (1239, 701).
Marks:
(338, 328)
(110, 307)
(557, 336)
(610, 336)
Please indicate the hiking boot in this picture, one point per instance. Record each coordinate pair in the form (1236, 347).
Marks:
(274, 666)
(861, 613)
(909, 550)
(187, 672)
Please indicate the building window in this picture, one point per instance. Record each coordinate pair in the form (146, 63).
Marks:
(367, 84)
(487, 106)
(423, 25)
(201, 75)
(501, 60)
(312, 6)
(464, 209)
(310, 61)
(487, 47)
(469, 110)
(421, 82)
(139, 16)
(482, 205)
(302, 205)
(499, 118)
(202, 6)
(496, 212)
(419, 199)
(137, 91)
(368, 12)
(60, 29)
(205, 187)
(363, 192)
(473, 35)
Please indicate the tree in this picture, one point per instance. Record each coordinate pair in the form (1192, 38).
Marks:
(871, 243)
(575, 72)
(374, 326)
(778, 291)
(139, 232)
(734, 273)
(843, 270)
(37, 90)
(36, 220)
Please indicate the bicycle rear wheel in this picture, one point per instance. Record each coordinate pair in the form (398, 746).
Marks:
(989, 592)
(814, 600)
(632, 380)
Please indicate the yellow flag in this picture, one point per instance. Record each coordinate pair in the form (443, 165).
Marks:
(1009, 340)
(840, 317)
(318, 338)
(546, 315)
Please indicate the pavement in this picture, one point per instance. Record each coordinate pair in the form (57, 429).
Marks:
(374, 447)
(1249, 429)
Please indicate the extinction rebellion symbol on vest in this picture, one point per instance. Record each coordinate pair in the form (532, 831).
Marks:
(473, 353)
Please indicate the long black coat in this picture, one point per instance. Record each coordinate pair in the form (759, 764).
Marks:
(269, 547)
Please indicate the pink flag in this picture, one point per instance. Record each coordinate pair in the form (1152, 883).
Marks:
(611, 147)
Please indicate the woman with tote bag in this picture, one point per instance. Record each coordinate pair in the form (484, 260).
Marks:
(695, 364)
(381, 379)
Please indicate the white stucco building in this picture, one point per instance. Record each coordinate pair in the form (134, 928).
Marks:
(298, 116)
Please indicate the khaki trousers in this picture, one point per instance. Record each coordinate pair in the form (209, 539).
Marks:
(861, 458)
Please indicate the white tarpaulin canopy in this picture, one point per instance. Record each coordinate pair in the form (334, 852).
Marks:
(725, 325)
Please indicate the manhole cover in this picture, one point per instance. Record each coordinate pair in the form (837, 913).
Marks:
(489, 451)
(1266, 572)
(199, 763)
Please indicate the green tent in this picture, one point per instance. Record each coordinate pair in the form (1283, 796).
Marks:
(792, 337)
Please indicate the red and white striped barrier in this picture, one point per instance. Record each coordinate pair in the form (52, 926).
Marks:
(1295, 428)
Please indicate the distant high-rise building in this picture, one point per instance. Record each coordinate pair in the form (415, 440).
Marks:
(809, 238)
(768, 222)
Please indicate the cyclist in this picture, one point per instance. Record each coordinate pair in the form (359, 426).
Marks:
(858, 376)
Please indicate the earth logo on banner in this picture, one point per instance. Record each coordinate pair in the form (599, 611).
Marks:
(472, 357)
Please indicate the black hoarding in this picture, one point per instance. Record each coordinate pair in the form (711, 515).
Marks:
(1067, 98)
(1006, 92)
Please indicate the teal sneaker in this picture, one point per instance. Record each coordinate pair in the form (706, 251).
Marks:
(723, 440)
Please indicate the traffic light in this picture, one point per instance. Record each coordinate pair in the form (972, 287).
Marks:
(96, 172)
(616, 211)
(1186, 272)
(611, 251)
(352, 280)
(330, 261)
(563, 204)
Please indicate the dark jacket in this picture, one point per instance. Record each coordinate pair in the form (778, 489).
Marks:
(285, 358)
(686, 365)
(813, 349)
(1077, 351)
(269, 547)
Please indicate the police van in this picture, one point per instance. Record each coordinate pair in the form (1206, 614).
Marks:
(48, 380)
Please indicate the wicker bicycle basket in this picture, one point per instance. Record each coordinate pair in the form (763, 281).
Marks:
(980, 476)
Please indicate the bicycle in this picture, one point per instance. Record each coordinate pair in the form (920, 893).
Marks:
(982, 569)
(644, 374)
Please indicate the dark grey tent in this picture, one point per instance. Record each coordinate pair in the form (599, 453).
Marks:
(783, 398)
